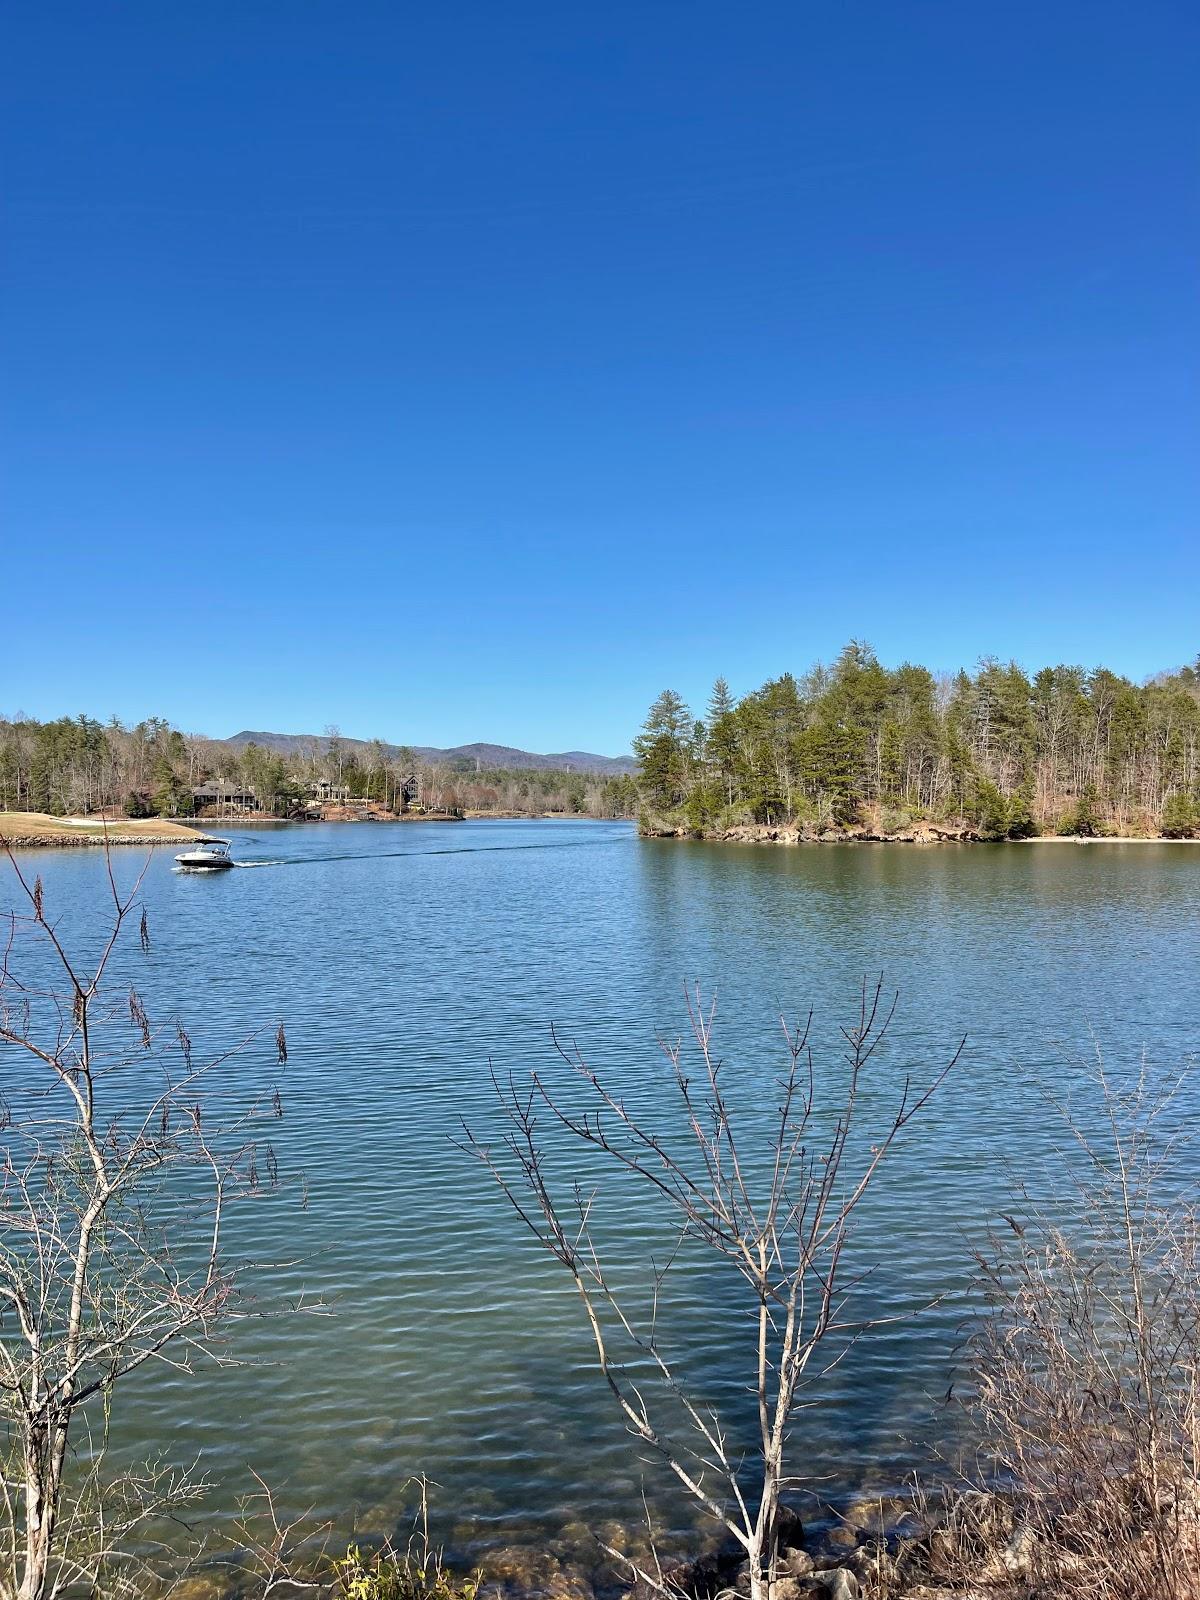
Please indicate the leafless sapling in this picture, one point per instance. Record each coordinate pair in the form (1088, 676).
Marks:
(116, 1173)
(777, 1212)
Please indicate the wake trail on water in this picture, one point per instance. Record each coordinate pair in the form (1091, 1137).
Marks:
(447, 850)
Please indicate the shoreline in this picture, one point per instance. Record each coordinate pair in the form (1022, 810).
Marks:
(34, 830)
(920, 834)
(39, 831)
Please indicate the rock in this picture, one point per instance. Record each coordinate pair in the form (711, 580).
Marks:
(943, 1552)
(198, 1587)
(794, 1562)
(877, 1514)
(874, 1565)
(789, 1527)
(1019, 1551)
(830, 1548)
(523, 1570)
(990, 1514)
(577, 1535)
(840, 1584)
(789, 1589)
(713, 1573)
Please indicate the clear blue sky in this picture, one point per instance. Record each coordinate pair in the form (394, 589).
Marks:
(473, 371)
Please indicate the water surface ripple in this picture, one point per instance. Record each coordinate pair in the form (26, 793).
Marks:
(404, 961)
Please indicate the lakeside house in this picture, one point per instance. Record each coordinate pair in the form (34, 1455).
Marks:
(225, 799)
(324, 792)
(219, 797)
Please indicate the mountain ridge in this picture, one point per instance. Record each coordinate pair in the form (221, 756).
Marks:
(463, 757)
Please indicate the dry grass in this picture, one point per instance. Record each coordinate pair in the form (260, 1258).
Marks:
(39, 828)
(1088, 1368)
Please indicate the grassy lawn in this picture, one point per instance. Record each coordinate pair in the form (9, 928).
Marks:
(35, 827)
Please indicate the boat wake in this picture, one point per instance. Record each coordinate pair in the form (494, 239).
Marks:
(386, 855)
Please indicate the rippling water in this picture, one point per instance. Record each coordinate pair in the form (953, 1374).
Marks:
(403, 959)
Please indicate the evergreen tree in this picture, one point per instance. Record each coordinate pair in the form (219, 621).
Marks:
(722, 741)
(720, 702)
(663, 749)
(991, 810)
(1180, 818)
(1021, 823)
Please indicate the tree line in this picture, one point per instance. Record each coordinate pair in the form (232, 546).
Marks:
(1066, 750)
(77, 766)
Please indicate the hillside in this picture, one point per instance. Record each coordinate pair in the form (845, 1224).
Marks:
(462, 758)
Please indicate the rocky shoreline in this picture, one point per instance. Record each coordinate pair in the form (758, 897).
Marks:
(972, 1544)
(919, 833)
(967, 1546)
(32, 831)
(804, 833)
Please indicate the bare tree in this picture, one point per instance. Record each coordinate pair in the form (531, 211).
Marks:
(116, 1179)
(779, 1216)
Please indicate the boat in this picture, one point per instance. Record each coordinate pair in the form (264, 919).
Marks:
(210, 856)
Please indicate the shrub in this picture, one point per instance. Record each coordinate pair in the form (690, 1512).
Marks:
(413, 1574)
(1086, 1364)
(894, 819)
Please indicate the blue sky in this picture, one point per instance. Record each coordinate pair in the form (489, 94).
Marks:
(473, 371)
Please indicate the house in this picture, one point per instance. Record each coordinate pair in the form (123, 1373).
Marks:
(224, 799)
(325, 793)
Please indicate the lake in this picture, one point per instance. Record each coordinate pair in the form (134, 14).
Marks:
(404, 959)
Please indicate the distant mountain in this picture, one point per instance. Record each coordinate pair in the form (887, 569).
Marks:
(462, 757)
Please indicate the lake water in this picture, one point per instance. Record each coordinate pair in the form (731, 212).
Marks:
(403, 959)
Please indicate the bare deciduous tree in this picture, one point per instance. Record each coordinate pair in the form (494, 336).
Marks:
(778, 1215)
(117, 1175)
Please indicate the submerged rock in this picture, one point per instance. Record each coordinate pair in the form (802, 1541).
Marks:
(525, 1571)
(832, 1545)
(877, 1514)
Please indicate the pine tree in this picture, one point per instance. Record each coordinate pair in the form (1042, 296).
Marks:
(722, 741)
(1180, 819)
(720, 703)
(1021, 823)
(991, 810)
(663, 751)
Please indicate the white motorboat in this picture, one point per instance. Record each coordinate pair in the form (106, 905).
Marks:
(211, 856)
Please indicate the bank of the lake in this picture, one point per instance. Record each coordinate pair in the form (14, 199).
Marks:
(918, 833)
(35, 830)
(38, 830)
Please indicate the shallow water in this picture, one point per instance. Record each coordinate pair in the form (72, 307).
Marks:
(403, 959)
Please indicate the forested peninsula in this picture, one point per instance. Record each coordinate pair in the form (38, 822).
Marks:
(859, 750)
